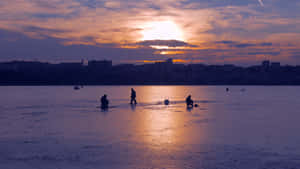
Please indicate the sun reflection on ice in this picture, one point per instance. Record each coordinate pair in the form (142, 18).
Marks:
(160, 122)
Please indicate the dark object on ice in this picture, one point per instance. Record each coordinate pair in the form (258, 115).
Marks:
(196, 105)
(227, 89)
(189, 108)
(133, 96)
(166, 102)
(76, 88)
(189, 101)
(104, 102)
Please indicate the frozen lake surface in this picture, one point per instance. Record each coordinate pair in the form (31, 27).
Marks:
(249, 127)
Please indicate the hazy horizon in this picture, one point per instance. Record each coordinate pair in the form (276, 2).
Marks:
(85, 62)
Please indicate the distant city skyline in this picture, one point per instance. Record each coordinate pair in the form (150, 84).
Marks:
(131, 31)
(103, 72)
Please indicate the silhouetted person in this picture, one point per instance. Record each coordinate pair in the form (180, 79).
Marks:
(189, 101)
(104, 102)
(133, 96)
(167, 102)
(227, 89)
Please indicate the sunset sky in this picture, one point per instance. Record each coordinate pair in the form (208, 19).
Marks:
(242, 32)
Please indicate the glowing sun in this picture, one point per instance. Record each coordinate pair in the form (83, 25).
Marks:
(161, 30)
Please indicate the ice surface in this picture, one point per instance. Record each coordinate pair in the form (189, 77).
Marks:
(60, 128)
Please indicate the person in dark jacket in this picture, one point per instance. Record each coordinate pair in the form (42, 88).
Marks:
(104, 102)
(133, 96)
(189, 101)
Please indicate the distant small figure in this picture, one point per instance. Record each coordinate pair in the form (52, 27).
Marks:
(227, 89)
(76, 88)
(189, 101)
(167, 102)
(133, 96)
(104, 102)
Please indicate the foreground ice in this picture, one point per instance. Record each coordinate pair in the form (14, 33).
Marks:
(59, 128)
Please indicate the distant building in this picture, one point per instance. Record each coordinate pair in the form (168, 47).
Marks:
(70, 64)
(166, 62)
(84, 62)
(228, 67)
(26, 65)
(125, 66)
(275, 64)
(169, 61)
(265, 64)
(103, 64)
(7, 67)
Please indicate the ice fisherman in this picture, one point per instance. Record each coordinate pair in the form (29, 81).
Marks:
(104, 102)
(189, 101)
(133, 96)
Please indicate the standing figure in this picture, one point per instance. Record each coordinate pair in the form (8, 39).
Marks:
(189, 101)
(133, 96)
(104, 102)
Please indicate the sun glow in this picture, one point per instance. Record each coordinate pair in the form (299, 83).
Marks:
(161, 30)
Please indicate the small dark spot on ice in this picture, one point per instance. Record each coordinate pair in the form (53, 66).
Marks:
(35, 113)
(31, 142)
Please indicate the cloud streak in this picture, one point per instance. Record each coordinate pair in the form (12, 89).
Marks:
(261, 2)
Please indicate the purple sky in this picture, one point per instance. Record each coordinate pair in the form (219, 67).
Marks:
(241, 32)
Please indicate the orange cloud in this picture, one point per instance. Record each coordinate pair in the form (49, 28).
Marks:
(172, 52)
